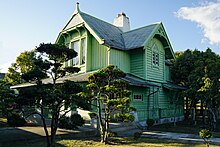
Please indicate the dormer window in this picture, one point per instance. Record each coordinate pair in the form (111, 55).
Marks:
(75, 46)
(80, 47)
(155, 55)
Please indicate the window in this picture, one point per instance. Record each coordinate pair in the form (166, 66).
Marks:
(75, 46)
(155, 58)
(155, 55)
(80, 47)
(138, 97)
(83, 51)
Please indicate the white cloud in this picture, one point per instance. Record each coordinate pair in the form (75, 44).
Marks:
(207, 16)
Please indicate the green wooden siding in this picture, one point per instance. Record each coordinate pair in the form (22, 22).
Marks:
(137, 62)
(153, 72)
(97, 55)
(121, 59)
(141, 106)
(155, 106)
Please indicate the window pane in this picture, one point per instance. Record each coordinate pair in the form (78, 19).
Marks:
(83, 43)
(75, 46)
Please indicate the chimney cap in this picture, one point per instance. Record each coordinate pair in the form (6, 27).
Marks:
(121, 14)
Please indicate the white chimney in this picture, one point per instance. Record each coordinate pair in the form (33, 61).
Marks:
(122, 21)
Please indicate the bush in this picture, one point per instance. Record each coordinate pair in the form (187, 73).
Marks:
(71, 123)
(205, 135)
(92, 114)
(137, 135)
(15, 120)
(77, 120)
(150, 123)
(64, 123)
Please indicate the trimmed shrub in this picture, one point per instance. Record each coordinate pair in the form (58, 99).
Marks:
(150, 123)
(71, 122)
(77, 120)
(137, 135)
(15, 120)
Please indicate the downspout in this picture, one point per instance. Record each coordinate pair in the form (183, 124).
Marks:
(148, 101)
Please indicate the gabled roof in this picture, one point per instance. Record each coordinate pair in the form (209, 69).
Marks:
(136, 38)
(110, 35)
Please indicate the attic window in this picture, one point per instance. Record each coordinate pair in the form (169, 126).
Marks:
(155, 55)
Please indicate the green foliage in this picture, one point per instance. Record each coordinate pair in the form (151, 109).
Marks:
(7, 98)
(48, 59)
(205, 134)
(71, 123)
(27, 64)
(127, 117)
(199, 71)
(112, 94)
(137, 135)
(77, 120)
(15, 120)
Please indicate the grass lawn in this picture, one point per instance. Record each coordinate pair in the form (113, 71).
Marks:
(119, 142)
(185, 127)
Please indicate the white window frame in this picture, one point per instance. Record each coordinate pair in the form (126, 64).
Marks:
(80, 52)
(138, 97)
(155, 56)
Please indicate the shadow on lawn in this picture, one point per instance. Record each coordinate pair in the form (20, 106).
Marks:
(25, 136)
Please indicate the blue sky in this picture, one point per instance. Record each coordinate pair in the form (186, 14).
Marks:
(27, 23)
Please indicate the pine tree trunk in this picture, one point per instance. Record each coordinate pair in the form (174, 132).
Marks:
(45, 126)
(187, 108)
(54, 123)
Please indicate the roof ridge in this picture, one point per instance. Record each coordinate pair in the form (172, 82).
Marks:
(101, 20)
(157, 23)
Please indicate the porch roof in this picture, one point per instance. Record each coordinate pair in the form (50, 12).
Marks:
(83, 77)
(137, 81)
(172, 86)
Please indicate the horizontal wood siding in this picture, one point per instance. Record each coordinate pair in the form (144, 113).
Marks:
(157, 106)
(154, 72)
(141, 106)
(137, 62)
(121, 59)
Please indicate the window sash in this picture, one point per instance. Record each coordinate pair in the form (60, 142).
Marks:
(83, 51)
(75, 47)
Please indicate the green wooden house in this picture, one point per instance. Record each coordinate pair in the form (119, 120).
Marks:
(143, 54)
